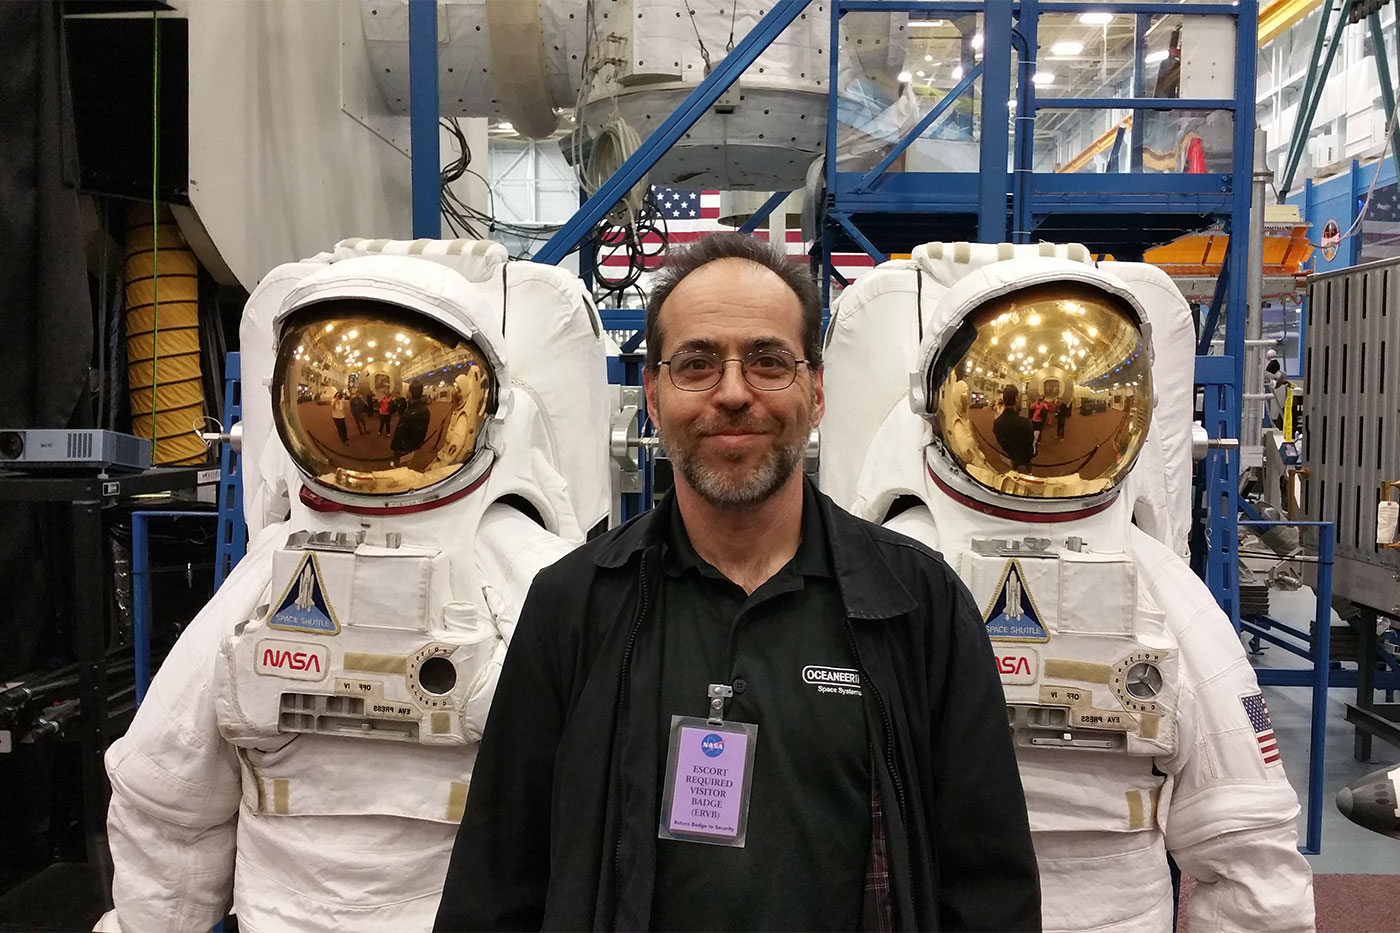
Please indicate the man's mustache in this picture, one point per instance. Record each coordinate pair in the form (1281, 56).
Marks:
(739, 422)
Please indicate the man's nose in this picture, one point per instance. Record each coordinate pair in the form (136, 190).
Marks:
(733, 390)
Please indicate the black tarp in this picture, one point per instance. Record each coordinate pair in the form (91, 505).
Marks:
(46, 318)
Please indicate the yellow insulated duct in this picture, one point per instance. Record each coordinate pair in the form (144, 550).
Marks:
(162, 339)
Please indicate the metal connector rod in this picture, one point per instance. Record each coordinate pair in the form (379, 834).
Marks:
(233, 437)
(1202, 443)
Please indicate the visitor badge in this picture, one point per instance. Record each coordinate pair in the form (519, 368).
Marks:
(709, 771)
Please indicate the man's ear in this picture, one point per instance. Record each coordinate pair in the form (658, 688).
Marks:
(649, 389)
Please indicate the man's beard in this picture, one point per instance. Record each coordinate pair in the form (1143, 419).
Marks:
(729, 491)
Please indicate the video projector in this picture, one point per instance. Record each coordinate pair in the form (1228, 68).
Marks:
(57, 448)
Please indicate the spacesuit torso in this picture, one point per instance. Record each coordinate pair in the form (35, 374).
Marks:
(1131, 701)
(307, 747)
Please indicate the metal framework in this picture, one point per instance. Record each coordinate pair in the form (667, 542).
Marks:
(1124, 212)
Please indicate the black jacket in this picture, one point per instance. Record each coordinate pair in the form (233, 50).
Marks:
(412, 429)
(561, 821)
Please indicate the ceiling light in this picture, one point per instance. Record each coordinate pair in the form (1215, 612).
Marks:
(506, 127)
(1043, 77)
(957, 73)
(373, 344)
(977, 41)
(1155, 57)
(329, 328)
(903, 77)
(353, 334)
(1066, 48)
(1096, 19)
(928, 58)
(919, 73)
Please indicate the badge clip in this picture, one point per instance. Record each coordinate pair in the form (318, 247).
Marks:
(718, 694)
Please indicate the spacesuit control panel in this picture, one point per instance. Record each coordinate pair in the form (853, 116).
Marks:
(1085, 662)
(360, 640)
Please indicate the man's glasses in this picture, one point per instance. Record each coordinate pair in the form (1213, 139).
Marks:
(767, 370)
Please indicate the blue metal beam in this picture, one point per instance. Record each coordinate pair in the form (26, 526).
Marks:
(1136, 103)
(1212, 321)
(1373, 22)
(1137, 8)
(762, 214)
(1308, 104)
(1214, 370)
(1026, 39)
(928, 120)
(993, 183)
(672, 129)
(860, 238)
(423, 109)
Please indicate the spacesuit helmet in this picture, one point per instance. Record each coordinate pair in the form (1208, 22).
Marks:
(1037, 382)
(416, 354)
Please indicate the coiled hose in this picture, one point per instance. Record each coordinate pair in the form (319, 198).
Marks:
(164, 382)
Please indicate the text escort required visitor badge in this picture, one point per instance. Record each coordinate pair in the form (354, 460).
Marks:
(709, 768)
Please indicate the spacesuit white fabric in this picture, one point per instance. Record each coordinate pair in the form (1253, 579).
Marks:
(292, 753)
(1140, 725)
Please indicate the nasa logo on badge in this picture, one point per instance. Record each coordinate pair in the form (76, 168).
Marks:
(712, 745)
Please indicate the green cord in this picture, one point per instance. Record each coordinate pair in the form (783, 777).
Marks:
(155, 213)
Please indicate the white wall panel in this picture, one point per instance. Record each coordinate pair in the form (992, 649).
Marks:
(279, 167)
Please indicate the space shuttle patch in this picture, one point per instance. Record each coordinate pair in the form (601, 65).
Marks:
(1012, 614)
(304, 607)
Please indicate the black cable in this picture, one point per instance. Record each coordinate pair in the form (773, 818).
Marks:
(461, 217)
(631, 240)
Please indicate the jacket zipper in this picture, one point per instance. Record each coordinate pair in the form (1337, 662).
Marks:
(643, 609)
(884, 718)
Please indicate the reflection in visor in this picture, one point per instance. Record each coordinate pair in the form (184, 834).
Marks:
(374, 400)
(1045, 392)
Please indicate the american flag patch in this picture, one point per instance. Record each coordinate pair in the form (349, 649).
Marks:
(1258, 712)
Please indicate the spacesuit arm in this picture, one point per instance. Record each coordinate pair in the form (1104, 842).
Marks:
(499, 872)
(1230, 820)
(175, 782)
(512, 549)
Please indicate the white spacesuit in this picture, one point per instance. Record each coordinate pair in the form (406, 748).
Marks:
(1140, 727)
(306, 748)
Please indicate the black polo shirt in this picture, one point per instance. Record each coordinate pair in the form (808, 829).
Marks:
(785, 651)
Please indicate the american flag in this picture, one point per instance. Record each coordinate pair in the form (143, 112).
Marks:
(1380, 227)
(1258, 713)
(690, 215)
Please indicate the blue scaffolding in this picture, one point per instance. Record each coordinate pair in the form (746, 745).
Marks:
(1122, 213)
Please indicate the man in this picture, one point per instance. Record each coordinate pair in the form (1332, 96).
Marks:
(413, 424)
(385, 413)
(882, 789)
(1280, 393)
(359, 410)
(1013, 432)
(339, 409)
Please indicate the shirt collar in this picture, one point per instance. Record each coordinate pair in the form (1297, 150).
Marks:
(813, 557)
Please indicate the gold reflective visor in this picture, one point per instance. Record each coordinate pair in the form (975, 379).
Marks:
(374, 400)
(1045, 392)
